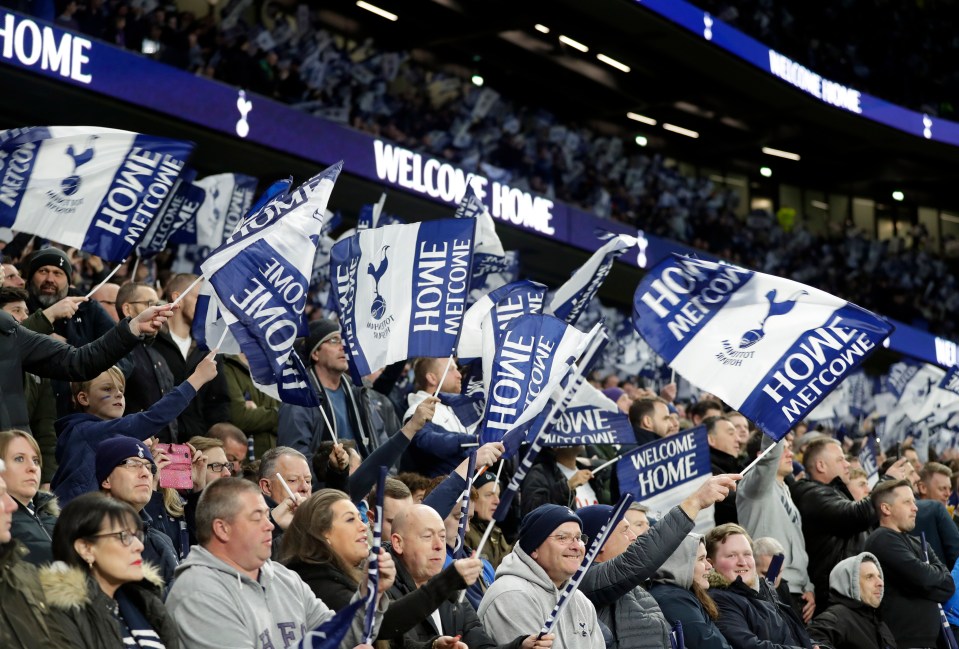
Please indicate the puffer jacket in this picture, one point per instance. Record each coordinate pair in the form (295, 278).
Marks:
(35, 530)
(615, 586)
(749, 619)
(81, 615)
(23, 622)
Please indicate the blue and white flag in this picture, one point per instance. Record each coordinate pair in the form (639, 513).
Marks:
(401, 291)
(722, 328)
(209, 326)
(868, 460)
(373, 564)
(261, 276)
(178, 216)
(950, 381)
(662, 474)
(524, 297)
(227, 201)
(590, 418)
(522, 369)
(460, 544)
(97, 189)
(330, 634)
(595, 547)
(572, 298)
(369, 216)
(489, 256)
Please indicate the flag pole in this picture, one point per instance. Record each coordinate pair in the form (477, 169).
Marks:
(105, 280)
(606, 464)
(226, 330)
(136, 264)
(449, 364)
(187, 290)
(758, 458)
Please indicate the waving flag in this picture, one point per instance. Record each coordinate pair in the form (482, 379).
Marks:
(489, 256)
(500, 306)
(97, 189)
(590, 418)
(464, 509)
(401, 291)
(261, 276)
(228, 199)
(369, 216)
(180, 213)
(664, 473)
(950, 381)
(725, 329)
(330, 634)
(373, 564)
(572, 298)
(867, 458)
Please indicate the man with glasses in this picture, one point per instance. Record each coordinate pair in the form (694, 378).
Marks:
(291, 466)
(106, 295)
(151, 376)
(125, 469)
(529, 581)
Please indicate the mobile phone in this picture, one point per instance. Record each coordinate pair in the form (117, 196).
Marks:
(775, 567)
(178, 474)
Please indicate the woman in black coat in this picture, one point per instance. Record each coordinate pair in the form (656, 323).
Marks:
(37, 511)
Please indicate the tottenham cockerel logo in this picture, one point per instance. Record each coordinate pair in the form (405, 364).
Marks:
(734, 353)
(376, 271)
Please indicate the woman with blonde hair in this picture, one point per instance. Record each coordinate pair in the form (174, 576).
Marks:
(37, 511)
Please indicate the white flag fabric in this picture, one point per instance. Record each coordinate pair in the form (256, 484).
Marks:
(524, 297)
(572, 298)
(97, 189)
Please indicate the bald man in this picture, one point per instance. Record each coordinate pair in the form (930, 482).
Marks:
(106, 295)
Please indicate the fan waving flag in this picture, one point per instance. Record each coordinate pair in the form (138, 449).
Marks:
(769, 347)
(97, 189)
(572, 298)
(401, 291)
(261, 277)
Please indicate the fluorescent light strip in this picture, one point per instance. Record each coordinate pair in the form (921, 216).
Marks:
(622, 67)
(781, 154)
(542, 29)
(376, 10)
(680, 130)
(641, 118)
(576, 45)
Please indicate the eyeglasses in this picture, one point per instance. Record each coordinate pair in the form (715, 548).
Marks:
(217, 467)
(137, 465)
(569, 539)
(149, 303)
(126, 538)
(338, 342)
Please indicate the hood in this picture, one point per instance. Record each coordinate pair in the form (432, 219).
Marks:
(678, 568)
(519, 564)
(844, 578)
(203, 558)
(64, 425)
(67, 587)
(45, 503)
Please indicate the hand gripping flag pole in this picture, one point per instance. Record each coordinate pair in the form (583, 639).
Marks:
(373, 569)
(458, 548)
(618, 512)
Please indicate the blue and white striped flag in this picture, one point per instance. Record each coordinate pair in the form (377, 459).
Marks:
(499, 306)
(595, 547)
(97, 189)
(572, 298)
(178, 216)
(261, 277)
(401, 291)
(330, 634)
(489, 256)
(458, 547)
(722, 328)
(373, 565)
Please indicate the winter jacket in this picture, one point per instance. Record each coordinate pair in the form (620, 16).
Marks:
(35, 530)
(158, 548)
(522, 597)
(615, 586)
(456, 618)
(751, 619)
(848, 623)
(23, 620)
(83, 616)
(217, 606)
(545, 483)
(720, 463)
(941, 533)
(766, 508)
(79, 434)
(441, 445)
(149, 380)
(41, 404)
(259, 423)
(912, 587)
(496, 547)
(834, 527)
(672, 589)
(24, 350)
(478, 589)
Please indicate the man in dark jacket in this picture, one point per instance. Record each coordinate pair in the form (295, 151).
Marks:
(650, 419)
(833, 524)
(853, 620)
(724, 450)
(554, 479)
(914, 586)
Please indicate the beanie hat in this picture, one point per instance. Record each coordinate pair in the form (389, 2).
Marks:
(50, 257)
(111, 452)
(613, 394)
(594, 517)
(484, 479)
(320, 331)
(542, 522)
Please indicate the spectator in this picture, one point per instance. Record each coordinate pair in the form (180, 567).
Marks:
(37, 511)
(858, 485)
(487, 500)
(216, 463)
(283, 468)
(416, 483)
(11, 276)
(228, 593)
(935, 482)
(234, 444)
(396, 498)
(705, 408)
(913, 586)
(555, 479)
(252, 411)
(106, 296)
(638, 517)
(741, 424)
(650, 419)
(853, 620)
(724, 450)
(765, 549)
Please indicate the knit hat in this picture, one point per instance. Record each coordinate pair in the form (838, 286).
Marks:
(594, 517)
(484, 479)
(50, 257)
(111, 452)
(320, 331)
(613, 394)
(541, 522)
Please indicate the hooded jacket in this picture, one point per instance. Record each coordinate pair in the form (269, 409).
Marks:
(23, 619)
(614, 586)
(217, 606)
(259, 423)
(672, 588)
(522, 597)
(82, 615)
(36, 530)
(849, 623)
(751, 619)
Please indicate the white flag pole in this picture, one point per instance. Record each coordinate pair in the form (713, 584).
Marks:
(105, 280)
(606, 464)
(449, 364)
(758, 457)
(187, 290)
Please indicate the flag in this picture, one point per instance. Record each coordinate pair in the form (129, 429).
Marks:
(330, 634)
(950, 381)
(458, 547)
(488, 256)
(228, 199)
(722, 328)
(867, 458)
(590, 418)
(97, 189)
(500, 305)
(261, 276)
(663, 473)
(468, 408)
(369, 216)
(595, 547)
(522, 369)
(572, 298)
(373, 565)
(180, 211)
(401, 291)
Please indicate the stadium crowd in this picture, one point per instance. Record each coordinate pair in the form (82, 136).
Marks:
(152, 496)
